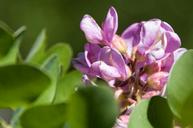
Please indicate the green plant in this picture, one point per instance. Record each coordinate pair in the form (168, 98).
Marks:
(43, 92)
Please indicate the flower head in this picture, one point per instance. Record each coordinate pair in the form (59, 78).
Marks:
(102, 62)
(96, 35)
(136, 63)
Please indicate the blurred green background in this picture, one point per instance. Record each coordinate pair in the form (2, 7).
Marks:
(61, 18)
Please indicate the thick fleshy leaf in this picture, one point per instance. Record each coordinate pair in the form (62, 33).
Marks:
(151, 113)
(91, 30)
(92, 107)
(21, 84)
(180, 88)
(67, 85)
(110, 25)
(64, 53)
(37, 52)
(52, 68)
(46, 116)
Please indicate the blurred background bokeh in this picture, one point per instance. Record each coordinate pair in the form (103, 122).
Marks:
(61, 18)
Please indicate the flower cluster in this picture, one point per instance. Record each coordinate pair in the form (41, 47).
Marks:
(136, 64)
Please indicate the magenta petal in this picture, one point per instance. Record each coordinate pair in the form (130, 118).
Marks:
(108, 72)
(173, 41)
(91, 29)
(132, 34)
(95, 69)
(167, 62)
(110, 25)
(166, 26)
(91, 53)
(119, 63)
(105, 54)
(158, 54)
(80, 63)
(150, 32)
(143, 79)
(115, 59)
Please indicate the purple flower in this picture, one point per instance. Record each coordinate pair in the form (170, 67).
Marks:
(153, 47)
(105, 36)
(104, 63)
(136, 63)
(96, 35)
(153, 38)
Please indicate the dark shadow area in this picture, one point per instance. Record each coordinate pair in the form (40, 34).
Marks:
(159, 113)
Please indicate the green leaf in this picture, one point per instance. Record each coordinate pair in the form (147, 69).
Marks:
(66, 86)
(52, 68)
(152, 113)
(5, 27)
(180, 88)
(37, 52)
(19, 32)
(21, 84)
(64, 52)
(92, 107)
(12, 55)
(6, 39)
(46, 116)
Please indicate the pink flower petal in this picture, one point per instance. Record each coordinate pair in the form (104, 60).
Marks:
(110, 25)
(150, 32)
(91, 30)
(80, 63)
(132, 34)
(166, 26)
(108, 72)
(173, 42)
(91, 53)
